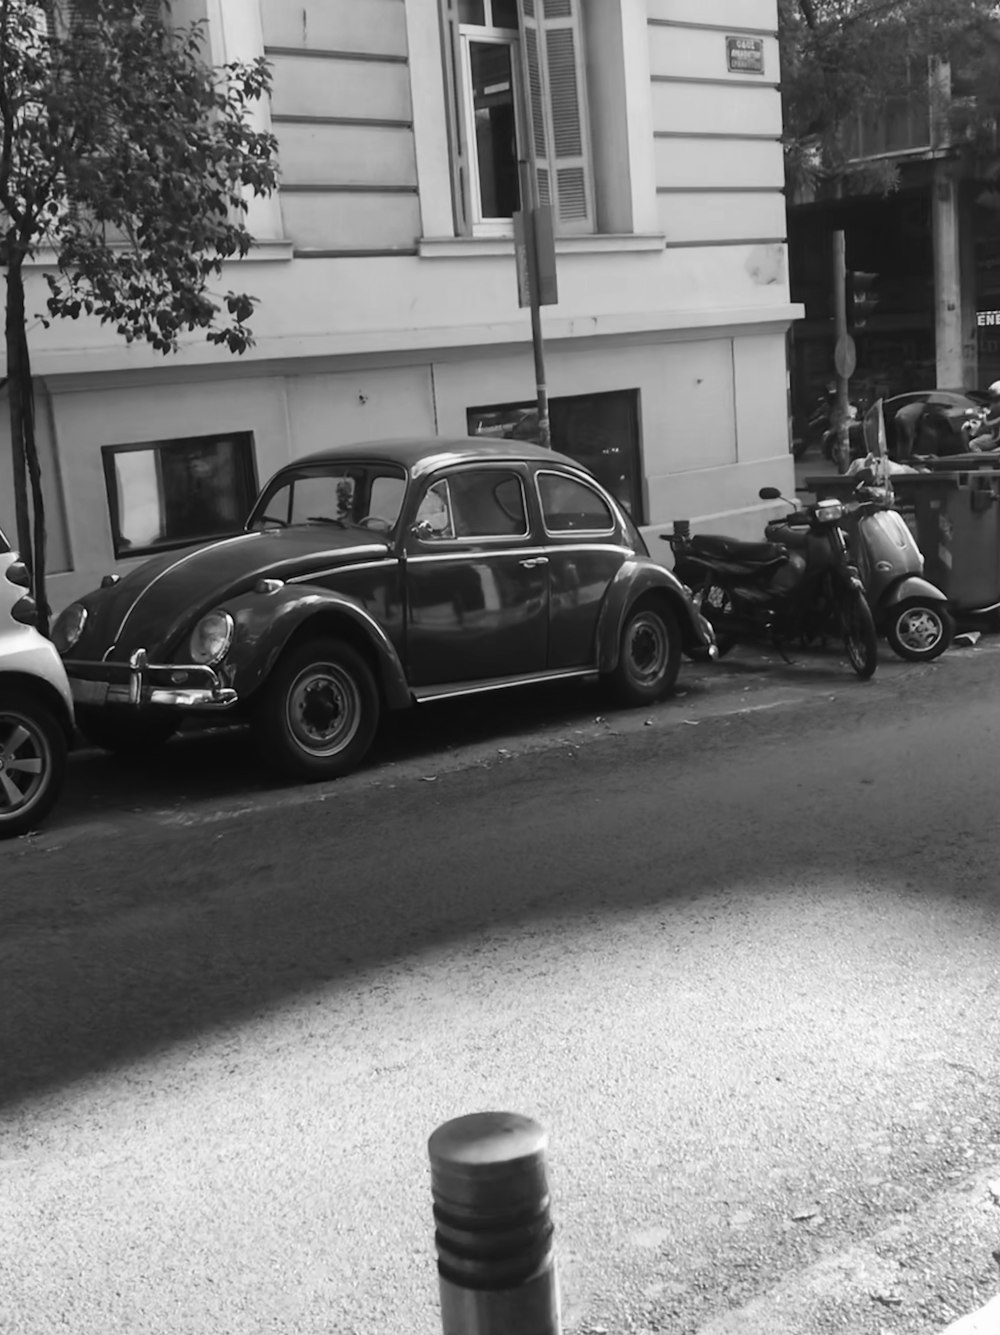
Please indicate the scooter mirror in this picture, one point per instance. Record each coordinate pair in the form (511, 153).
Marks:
(769, 494)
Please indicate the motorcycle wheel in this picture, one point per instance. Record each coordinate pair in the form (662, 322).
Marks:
(919, 631)
(860, 636)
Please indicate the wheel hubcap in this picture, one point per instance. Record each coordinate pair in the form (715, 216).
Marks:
(324, 709)
(647, 649)
(24, 754)
(919, 629)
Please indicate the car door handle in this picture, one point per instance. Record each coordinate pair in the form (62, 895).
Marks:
(533, 561)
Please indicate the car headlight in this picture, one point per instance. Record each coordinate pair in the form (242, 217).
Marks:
(211, 638)
(68, 627)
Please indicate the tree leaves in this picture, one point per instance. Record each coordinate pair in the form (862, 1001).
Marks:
(125, 152)
(848, 58)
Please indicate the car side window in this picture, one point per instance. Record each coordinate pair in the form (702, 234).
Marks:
(570, 506)
(475, 503)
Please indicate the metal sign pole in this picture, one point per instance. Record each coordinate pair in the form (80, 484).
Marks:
(528, 172)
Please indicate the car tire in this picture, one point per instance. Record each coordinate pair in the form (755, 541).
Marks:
(32, 762)
(649, 657)
(919, 631)
(123, 731)
(318, 713)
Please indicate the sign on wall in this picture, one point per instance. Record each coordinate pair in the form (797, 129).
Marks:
(745, 55)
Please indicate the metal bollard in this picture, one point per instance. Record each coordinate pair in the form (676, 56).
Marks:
(496, 1264)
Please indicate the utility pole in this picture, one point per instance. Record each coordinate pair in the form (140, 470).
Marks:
(844, 353)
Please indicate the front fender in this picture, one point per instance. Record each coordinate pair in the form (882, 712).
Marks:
(265, 622)
(635, 578)
(912, 587)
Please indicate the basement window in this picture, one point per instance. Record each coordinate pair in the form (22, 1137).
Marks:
(175, 493)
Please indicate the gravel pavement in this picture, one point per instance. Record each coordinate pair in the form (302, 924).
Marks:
(737, 954)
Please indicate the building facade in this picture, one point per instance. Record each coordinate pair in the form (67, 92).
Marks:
(385, 274)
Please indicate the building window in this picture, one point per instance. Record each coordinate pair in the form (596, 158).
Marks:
(497, 68)
(599, 431)
(172, 493)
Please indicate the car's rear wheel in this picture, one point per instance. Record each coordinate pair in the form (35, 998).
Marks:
(123, 731)
(649, 658)
(318, 713)
(32, 762)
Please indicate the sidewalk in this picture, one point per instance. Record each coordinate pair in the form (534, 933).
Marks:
(915, 1277)
(984, 1322)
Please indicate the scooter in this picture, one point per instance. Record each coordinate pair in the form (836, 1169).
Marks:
(803, 588)
(910, 611)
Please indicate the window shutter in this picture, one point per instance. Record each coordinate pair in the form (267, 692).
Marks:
(553, 59)
(570, 153)
(532, 47)
(458, 155)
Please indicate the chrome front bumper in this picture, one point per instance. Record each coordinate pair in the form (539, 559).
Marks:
(138, 682)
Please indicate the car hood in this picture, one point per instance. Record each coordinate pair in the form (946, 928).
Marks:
(160, 599)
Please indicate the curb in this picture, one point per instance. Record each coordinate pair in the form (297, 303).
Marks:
(984, 1322)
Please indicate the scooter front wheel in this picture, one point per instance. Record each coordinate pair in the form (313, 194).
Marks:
(919, 631)
(860, 636)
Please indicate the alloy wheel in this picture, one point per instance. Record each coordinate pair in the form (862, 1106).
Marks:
(919, 629)
(25, 759)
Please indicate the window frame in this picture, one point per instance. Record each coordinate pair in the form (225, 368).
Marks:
(572, 534)
(513, 470)
(464, 164)
(482, 224)
(288, 476)
(246, 471)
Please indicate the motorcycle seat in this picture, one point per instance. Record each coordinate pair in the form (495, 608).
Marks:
(716, 547)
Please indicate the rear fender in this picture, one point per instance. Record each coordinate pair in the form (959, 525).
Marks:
(266, 622)
(635, 579)
(912, 587)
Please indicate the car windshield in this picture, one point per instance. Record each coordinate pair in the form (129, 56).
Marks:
(344, 494)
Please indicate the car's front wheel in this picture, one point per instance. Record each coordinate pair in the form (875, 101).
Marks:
(32, 762)
(318, 713)
(649, 658)
(124, 731)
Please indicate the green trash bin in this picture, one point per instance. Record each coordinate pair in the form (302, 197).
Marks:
(954, 514)
(955, 517)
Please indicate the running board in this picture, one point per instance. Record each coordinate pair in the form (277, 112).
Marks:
(424, 694)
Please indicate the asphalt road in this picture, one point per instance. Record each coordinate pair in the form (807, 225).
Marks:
(738, 956)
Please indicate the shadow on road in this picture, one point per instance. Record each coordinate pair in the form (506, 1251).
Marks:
(201, 766)
(151, 934)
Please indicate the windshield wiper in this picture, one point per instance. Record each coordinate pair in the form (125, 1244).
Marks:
(325, 519)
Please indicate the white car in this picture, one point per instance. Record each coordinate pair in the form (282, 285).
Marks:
(36, 707)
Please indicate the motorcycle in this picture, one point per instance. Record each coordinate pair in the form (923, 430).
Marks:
(802, 587)
(821, 429)
(910, 611)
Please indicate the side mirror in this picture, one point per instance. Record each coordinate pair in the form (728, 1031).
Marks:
(769, 494)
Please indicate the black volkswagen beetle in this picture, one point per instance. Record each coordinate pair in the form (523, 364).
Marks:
(370, 577)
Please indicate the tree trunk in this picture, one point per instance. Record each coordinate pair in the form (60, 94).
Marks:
(14, 328)
(31, 535)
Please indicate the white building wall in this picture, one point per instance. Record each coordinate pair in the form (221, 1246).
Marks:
(375, 319)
